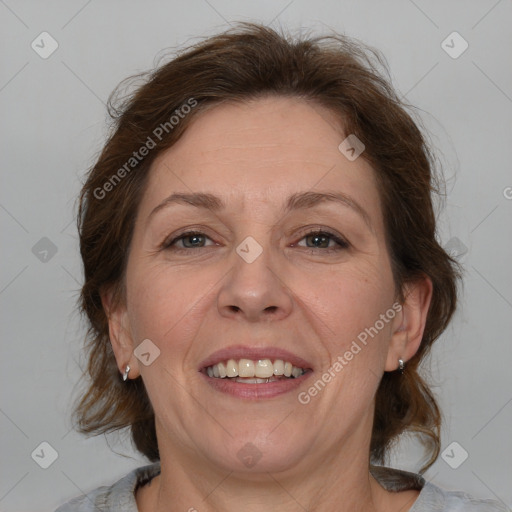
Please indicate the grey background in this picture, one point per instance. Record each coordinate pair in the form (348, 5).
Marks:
(53, 124)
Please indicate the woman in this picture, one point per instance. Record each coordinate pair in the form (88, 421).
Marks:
(262, 281)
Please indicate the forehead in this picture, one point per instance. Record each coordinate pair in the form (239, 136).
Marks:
(262, 150)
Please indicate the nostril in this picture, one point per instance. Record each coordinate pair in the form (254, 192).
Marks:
(271, 309)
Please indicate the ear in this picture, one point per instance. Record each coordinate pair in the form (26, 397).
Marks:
(409, 324)
(120, 333)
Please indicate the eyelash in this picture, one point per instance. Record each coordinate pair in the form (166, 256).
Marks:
(342, 243)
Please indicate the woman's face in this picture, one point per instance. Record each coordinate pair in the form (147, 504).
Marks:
(287, 262)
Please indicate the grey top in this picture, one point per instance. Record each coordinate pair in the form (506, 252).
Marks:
(120, 497)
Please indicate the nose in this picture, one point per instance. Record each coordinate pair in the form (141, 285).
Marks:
(255, 291)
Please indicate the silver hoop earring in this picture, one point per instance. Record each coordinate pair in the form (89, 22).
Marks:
(401, 365)
(126, 372)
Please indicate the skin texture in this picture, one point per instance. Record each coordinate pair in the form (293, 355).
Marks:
(311, 297)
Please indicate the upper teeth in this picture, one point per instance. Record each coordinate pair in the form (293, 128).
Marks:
(262, 368)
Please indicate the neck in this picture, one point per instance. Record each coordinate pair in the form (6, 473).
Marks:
(336, 483)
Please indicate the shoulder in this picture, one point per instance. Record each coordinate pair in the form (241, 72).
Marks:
(117, 497)
(431, 497)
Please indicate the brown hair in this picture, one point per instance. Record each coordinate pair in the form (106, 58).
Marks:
(244, 63)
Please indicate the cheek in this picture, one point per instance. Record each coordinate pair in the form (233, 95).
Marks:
(352, 298)
(163, 302)
(357, 306)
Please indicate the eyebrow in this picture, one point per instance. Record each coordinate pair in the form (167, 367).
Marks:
(297, 201)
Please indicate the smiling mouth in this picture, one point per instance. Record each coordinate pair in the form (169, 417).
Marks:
(250, 371)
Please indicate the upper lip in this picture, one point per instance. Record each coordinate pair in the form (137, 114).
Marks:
(237, 352)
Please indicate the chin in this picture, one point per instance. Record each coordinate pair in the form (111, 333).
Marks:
(254, 454)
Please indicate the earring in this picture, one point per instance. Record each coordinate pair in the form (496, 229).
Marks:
(401, 365)
(126, 372)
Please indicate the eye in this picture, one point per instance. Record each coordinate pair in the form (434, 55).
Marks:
(322, 240)
(185, 241)
(325, 241)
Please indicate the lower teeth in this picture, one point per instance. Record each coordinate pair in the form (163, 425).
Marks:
(249, 380)
(256, 380)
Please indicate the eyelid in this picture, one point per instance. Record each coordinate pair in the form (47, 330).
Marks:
(186, 232)
(342, 242)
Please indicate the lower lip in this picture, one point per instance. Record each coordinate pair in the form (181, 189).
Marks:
(255, 391)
